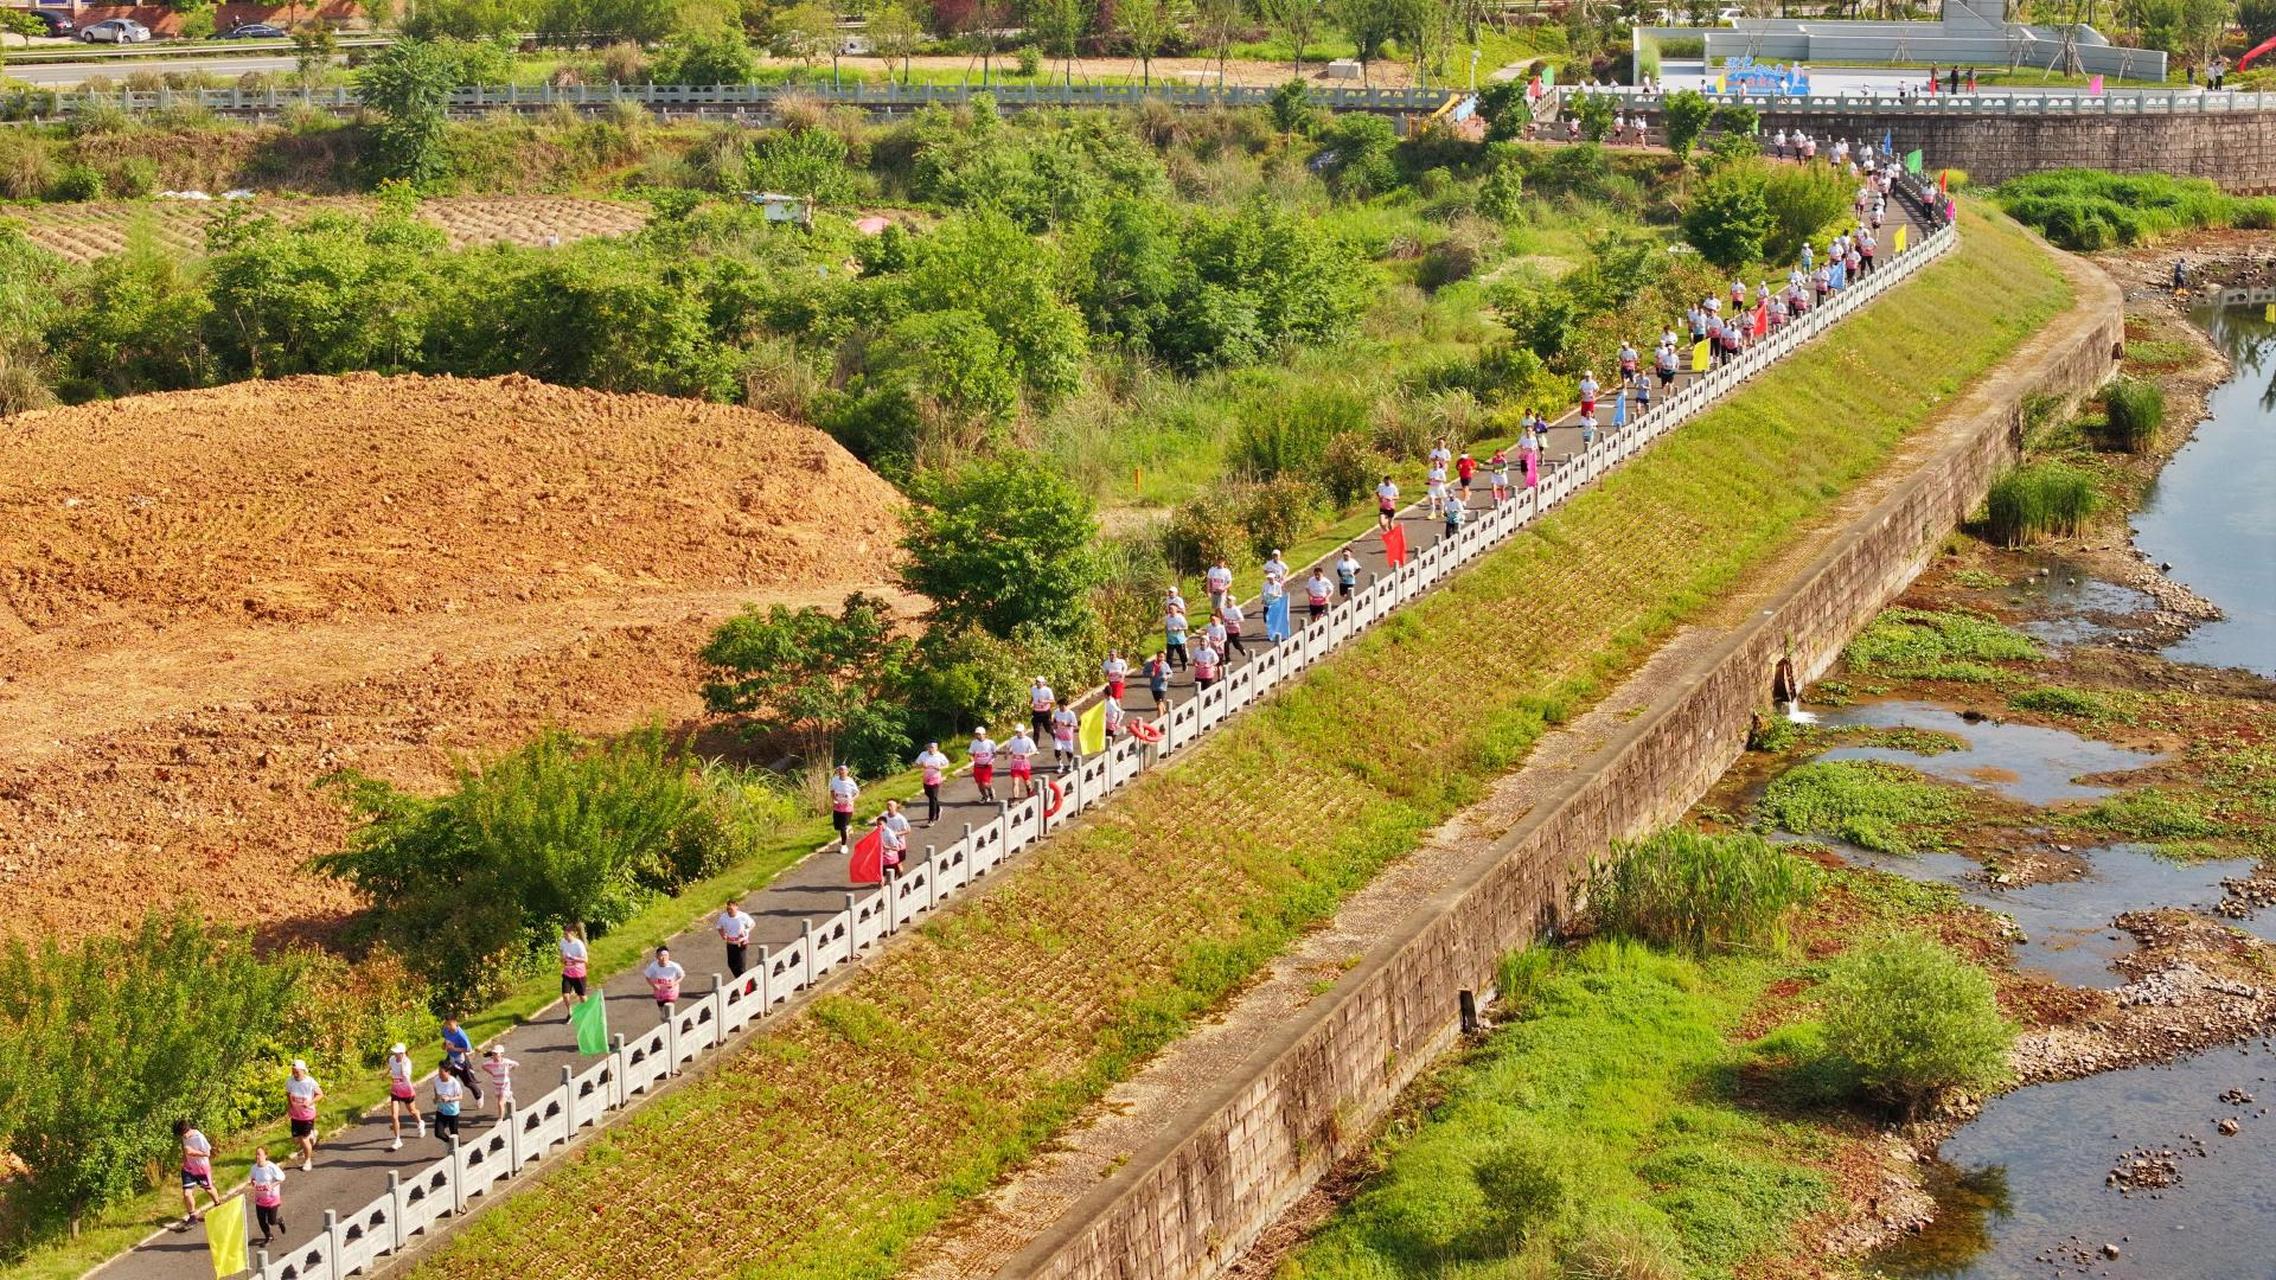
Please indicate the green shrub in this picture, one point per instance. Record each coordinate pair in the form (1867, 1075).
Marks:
(1349, 467)
(1030, 60)
(1276, 513)
(1203, 530)
(2152, 815)
(2040, 500)
(27, 166)
(1874, 806)
(2134, 414)
(1730, 221)
(2087, 209)
(1922, 644)
(1908, 1019)
(2055, 700)
(74, 182)
(1681, 888)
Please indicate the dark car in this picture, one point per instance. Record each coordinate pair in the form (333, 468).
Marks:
(253, 31)
(57, 22)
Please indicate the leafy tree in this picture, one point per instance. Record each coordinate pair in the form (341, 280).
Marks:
(1298, 19)
(106, 1042)
(803, 162)
(1059, 25)
(313, 48)
(1124, 267)
(333, 294)
(598, 313)
(1594, 111)
(1909, 1019)
(1292, 109)
(1219, 22)
(466, 19)
(1729, 221)
(895, 33)
(1802, 200)
(1503, 105)
(134, 322)
(1149, 24)
(2258, 18)
(1686, 116)
(408, 83)
(985, 265)
(722, 57)
(933, 378)
(466, 885)
(810, 30)
(1005, 545)
(828, 683)
(1368, 24)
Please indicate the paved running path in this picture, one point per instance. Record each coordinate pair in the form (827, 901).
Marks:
(352, 1165)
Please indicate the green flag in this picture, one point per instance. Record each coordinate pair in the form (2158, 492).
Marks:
(1912, 161)
(591, 1019)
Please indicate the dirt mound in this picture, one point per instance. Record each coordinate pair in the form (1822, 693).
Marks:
(84, 232)
(209, 599)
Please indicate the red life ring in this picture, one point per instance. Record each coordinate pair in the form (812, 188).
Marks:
(1058, 797)
(1145, 731)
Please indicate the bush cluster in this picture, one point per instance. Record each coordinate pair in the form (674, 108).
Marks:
(1682, 888)
(2038, 501)
(1908, 1021)
(2088, 209)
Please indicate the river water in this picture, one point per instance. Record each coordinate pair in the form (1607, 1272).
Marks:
(2212, 512)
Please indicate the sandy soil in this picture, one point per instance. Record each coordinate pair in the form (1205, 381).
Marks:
(83, 232)
(210, 599)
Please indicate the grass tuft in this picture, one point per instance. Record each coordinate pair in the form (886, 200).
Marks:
(2040, 500)
(1925, 644)
(1872, 805)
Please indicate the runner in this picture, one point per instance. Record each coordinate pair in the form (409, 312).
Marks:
(197, 1171)
(572, 951)
(500, 1069)
(1022, 749)
(1500, 464)
(1117, 672)
(1456, 511)
(1204, 665)
(449, 1093)
(1158, 679)
(664, 975)
(892, 843)
(1347, 574)
(1040, 701)
(1627, 363)
(735, 925)
(1317, 592)
(268, 1195)
(301, 1096)
(1219, 580)
(935, 766)
(1174, 627)
(1063, 724)
(458, 1057)
(403, 1093)
(982, 749)
(1588, 394)
(843, 792)
(1116, 717)
(1229, 629)
(896, 820)
(1275, 568)
(1434, 487)
(1386, 502)
(1465, 470)
(1275, 593)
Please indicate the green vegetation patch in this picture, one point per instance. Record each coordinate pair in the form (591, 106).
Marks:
(1680, 888)
(1923, 644)
(2087, 209)
(2078, 704)
(1876, 806)
(1596, 1126)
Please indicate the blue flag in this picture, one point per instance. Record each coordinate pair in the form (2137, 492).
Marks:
(1620, 409)
(1276, 617)
(1888, 143)
(1840, 275)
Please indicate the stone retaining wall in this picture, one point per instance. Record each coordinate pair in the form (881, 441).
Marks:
(2236, 149)
(1191, 1201)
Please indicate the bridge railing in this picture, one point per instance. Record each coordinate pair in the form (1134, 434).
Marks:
(640, 1064)
(746, 96)
(2138, 102)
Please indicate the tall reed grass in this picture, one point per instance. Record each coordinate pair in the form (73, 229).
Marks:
(2040, 500)
(1699, 892)
(2134, 414)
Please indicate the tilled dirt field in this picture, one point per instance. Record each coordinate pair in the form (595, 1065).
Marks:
(84, 232)
(208, 599)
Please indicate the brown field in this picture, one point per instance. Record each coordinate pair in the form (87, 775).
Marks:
(208, 599)
(83, 232)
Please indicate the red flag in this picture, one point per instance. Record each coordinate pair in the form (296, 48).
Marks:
(1943, 181)
(1761, 318)
(1395, 544)
(867, 865)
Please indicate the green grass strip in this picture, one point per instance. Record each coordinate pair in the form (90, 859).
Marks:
(828, 1146)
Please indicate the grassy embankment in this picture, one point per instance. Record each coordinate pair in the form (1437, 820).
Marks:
(828, 1145)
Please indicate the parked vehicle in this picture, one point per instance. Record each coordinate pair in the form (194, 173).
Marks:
(116, 31)
(253, 31)
(57, 22)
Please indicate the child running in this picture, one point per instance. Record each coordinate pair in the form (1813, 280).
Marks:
(500, 1069)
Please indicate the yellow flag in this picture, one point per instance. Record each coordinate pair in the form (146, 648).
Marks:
(1900, 240)
(2269, 315)
(1699, 357)
(225, 1237)
(1090, 734)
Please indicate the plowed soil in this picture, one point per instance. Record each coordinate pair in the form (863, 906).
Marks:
(208, 599)
(83, 232)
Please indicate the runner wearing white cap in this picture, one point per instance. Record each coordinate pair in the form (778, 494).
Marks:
(402, 1093)
(301, 1096)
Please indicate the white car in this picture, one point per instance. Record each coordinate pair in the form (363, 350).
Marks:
(115, 31)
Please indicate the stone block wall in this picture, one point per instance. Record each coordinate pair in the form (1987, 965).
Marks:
(1182, 1208)
(2236, 149)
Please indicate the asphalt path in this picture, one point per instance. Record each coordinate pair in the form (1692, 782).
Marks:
(352, 1165)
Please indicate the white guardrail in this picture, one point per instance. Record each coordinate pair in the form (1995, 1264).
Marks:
(2116, 102)
(412, 1205)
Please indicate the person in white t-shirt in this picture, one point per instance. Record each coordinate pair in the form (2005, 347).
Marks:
(500, 1069)
(664, 976)
(935, 766)
(268, 1196)
(982, 749)
(1021, 748)
(1064, 723)
(403, 1092)
(843, 792)
(1318, 593)
(450, 1096)
(1275, 568)
(1040, 701)
(1386, 502)
(1116, 670)
(573, 967)
(302, 1093)
(734, 926)
(1219, 580)
(1347, 574)
(197, 1171)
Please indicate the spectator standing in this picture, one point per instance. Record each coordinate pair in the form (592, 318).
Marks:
(302, 1093)
(935, 766)
(735, 926)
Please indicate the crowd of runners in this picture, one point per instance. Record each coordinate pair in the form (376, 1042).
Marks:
(1455, 482)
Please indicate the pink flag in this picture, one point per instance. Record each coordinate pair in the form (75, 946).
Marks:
(1532, 468)
(2094, 85)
